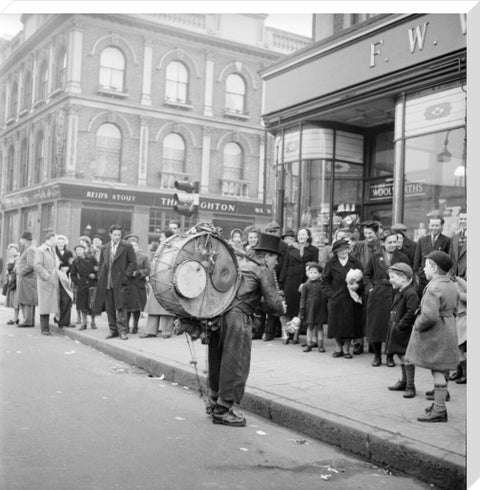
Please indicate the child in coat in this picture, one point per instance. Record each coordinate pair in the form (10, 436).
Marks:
(433, 344)
(402, 318)
(313, 307)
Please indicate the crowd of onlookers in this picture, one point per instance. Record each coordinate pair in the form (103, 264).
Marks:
(363, 290)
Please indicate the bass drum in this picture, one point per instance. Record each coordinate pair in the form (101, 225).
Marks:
(195, 276)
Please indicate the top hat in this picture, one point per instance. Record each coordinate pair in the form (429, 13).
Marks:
(267, 243)
(27, 235)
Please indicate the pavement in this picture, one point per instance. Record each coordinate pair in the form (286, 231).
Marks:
(344, 402)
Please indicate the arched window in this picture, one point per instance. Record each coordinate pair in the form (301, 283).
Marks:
(233, 171)
(24, 170)
(112, 69)
(27, 91)
(61, 68)
(13, 101)
(108, 152)
(176, 86)
(39, 158)
(43, 81)
(232, 161)
(235, 94)
(10, 168)
(173, 159)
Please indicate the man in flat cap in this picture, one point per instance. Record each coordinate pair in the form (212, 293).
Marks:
(27, 280)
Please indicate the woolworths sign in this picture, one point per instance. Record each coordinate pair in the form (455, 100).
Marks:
(384, 190)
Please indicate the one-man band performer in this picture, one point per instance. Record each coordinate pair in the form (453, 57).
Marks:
(229, 348)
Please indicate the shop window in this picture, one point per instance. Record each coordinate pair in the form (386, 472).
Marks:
(24, 168)
(173, 160)
(9, 227)
(108, 152)
(27, 92)
(159, 219)
(235, 94)
(112, 70)
(43, 82)
(28, 219)
(39, 158)
(12, 113)
(10, 168)
(176, 83)
(232, 179)
(434, 179)
(382, 154)
(61, 68)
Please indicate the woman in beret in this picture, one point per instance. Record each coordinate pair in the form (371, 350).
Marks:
(344, 299)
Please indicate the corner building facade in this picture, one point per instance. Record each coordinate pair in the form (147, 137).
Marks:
(101, 114)
(369, 122)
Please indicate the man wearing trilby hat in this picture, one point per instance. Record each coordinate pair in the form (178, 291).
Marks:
(230, 343)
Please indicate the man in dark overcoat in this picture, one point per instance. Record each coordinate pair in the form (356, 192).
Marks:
(27, 280)
(435, 240)
(458, 247)
(117, 264)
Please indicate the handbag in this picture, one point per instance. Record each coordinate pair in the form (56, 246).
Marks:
(5, 288)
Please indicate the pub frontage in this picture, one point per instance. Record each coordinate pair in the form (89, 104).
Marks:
(370, 123)
(75, 209)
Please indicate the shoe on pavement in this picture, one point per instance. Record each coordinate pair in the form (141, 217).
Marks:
(321, 349)
(93, 326)
(410, 393)
(46, 332)
(307, 348)
(123, 336)
(231, 418)
(347, 355)
(433, 416)
(24, 325)
(146, 335)
(398, 386)
(357, 349)
(390, 361)
(83, 327)
(111, 335)
(377, 361)
(337, 354)
(461, 381)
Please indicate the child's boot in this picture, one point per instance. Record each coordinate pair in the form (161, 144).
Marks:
(410, 391)
(401, 384)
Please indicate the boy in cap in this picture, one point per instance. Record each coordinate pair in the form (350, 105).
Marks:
(402, 318)
(433, 343)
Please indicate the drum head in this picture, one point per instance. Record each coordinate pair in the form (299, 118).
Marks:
(190, 279)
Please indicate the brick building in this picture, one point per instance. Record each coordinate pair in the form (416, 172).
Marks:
(100, 114)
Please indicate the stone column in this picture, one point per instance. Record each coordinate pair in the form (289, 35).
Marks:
(261, 167)
(205, 159)
(34, 80)
(71, 144)
(74, 68)
(51, 74)
(209, 64)
(143, 151)
(147, 73)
